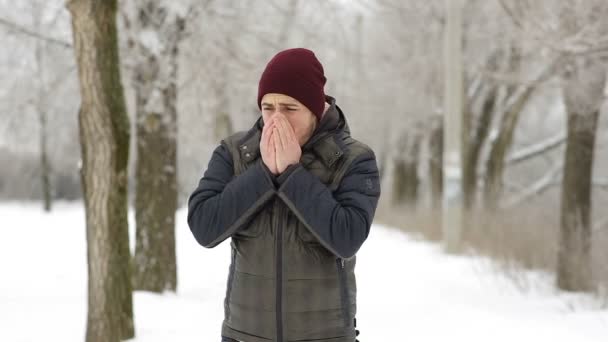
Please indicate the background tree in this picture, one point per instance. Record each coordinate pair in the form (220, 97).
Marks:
(155, 30)
(104, 141)
(584, 83)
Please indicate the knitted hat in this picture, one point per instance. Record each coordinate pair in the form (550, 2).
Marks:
(296, 73)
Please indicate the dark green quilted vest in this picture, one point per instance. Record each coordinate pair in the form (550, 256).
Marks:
(283, 285)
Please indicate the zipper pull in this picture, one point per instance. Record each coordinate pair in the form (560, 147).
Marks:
(342, 262)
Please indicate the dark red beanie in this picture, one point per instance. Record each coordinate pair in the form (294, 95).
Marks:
(296, 73)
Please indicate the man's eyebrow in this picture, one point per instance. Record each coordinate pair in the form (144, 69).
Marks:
(281, 104)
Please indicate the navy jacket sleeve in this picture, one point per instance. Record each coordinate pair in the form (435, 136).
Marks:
(340, 220)
(222, 203)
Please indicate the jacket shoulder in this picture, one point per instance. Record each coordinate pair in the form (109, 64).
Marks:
(354, 151)
(232, 141)
(355, 148)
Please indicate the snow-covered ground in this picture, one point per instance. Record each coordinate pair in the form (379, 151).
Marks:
(408, 290)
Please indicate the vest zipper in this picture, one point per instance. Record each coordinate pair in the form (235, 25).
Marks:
(343, 291)
(279, 278)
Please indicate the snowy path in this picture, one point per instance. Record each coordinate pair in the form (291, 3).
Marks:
(426, 296)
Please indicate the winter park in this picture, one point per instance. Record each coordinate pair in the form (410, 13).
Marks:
(290, 170)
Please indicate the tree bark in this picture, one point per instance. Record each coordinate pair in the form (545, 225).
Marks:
(501, 143)
(582, 96)
(156, 31)
(436, 163)
(500, 146)
(511, 108)
(406, 183)
(104, 139)
(45, 167)
(406, 179)
(481, 132)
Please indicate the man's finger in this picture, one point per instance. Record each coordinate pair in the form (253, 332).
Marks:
(277, 139)
(284, 127)
(267, 130)
(269, 125)
(271, 136)
(292, 133)
(288, 130)
(271, 146)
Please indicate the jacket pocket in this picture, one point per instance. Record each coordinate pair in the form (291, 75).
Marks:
(229, 283)
(344, 297)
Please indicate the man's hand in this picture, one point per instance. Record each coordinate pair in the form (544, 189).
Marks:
(288, 150)
(267, 147)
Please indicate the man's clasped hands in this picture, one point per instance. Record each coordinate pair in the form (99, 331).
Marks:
(279, 145)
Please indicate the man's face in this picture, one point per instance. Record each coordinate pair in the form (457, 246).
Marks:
(301, 118)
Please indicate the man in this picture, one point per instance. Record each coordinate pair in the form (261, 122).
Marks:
(297, 195)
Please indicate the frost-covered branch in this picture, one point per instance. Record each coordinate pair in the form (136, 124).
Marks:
(536, 149)
(551, 178)
(506, 102)
(548, 180)
(25, 31)
(574, 34)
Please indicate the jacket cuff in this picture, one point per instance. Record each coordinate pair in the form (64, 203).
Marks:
(280, 179)
(267, 173)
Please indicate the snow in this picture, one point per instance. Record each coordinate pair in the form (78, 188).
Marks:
(177, 8)
(408, 290)
(150, 40)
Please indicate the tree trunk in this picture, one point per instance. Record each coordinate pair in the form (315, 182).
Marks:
(405, 190)
(481, 133)
(583, 97)
(512, 105)
(455, 129)
(222, 122)
(383, 155)
(45, 168)
(104, 139)
(155, 80)
(406, 180)
(500, 146)
(436, 163)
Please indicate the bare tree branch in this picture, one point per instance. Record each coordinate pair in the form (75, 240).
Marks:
(520, 94)
(548, 180)
(536, 149)
(25, 31)
(511, 14)
(578, 43)
(15, 116)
